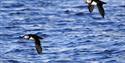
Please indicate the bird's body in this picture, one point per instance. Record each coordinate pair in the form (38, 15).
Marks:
(37, 41)
(98, 3)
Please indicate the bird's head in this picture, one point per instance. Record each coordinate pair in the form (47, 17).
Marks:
(31, 37)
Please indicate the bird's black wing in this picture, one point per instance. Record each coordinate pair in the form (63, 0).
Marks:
(38, 46)
(101, 9)
(39, 49)
(90, 7)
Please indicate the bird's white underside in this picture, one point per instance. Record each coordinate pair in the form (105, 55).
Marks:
(31, 38)
(89, 1)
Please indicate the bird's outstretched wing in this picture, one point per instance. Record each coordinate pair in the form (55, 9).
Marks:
(38, 48)
(101, 9)
(90, 7)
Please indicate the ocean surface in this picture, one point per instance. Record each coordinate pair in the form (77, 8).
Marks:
(71, 34)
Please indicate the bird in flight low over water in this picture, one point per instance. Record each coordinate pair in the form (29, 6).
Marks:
(37, 41)
(99, 3)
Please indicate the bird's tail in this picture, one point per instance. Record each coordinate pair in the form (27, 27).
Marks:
(102, 2)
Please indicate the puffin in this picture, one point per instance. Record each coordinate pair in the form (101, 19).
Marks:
(98, 3)
(36, 40)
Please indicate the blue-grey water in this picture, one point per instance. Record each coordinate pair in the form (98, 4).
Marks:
(71, 34)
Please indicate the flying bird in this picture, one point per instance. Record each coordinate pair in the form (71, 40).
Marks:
(98, 3)
(35, 38)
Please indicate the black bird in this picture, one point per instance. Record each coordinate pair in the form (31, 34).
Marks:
(99, 4)
(37, 41)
